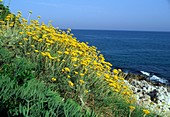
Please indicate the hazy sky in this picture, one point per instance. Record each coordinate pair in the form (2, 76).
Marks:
(152, 15)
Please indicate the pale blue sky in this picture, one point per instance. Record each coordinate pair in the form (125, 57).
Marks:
(151, 15)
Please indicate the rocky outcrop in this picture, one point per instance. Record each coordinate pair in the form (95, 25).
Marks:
(131, 76)
(148, 95)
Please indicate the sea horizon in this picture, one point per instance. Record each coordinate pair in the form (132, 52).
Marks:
(144, 52)
(168, 31)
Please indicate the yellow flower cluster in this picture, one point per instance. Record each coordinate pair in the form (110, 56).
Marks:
(146, 112)
(63, 56)
(70, 83)
(53, 79)
(132, 108)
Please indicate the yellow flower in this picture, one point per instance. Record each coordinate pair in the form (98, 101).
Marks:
(125, 87)
(24, 21)
(74, 59)
(70, 83)
(127, 93)
(115, 71)
(53, 79)
(29, 33)
(50, 57)
(121, 78)
(115, 77)
(81, 74)
(85, 70)
(75, 65)
(32, 46)
(20, 43)
(81, 81)
(146, 111)
(44, 35)
(68, 76)
(59, 52)
(66, 52)
(25, 39)
(98, 74)
(40, 40)
(116, 90)
(107, 76)
(35, 38)
(66, 69)
(132, 108)
(86, 91)
(2, 22)
(11, 24)
(21, 33)
(43, 54)
(36, 50)
(112, 85)
(48, 44)
(76, 72)
(62, 70)
(58, 60)
(7, 18)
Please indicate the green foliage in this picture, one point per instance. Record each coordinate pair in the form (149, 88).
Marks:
(47, 72)
(19, 69)
(23, 95)
(4, 11)
(34, 99)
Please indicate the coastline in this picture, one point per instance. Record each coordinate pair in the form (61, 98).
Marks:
(149, 94)
(150, 77)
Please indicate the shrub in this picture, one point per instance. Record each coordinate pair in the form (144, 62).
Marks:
(17, 68)
(34, 99)
(74, 69)
(21, 94)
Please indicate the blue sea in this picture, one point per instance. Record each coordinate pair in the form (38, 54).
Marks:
(139, 52)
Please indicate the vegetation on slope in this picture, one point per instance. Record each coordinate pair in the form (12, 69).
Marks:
(62, 65)
(4, 11)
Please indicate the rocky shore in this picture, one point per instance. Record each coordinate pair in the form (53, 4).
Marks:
(151, 95)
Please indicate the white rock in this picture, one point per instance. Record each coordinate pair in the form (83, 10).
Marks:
(141, 90)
